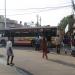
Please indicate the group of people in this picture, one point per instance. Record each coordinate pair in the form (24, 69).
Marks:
(10, 54)
(41, 44)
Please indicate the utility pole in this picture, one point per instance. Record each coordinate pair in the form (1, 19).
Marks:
(37, 24)
(73, 7)
(73, 17)
(40, 21)
(5, 15)
(72, 33)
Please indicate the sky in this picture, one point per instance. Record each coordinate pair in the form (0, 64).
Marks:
(50, 11)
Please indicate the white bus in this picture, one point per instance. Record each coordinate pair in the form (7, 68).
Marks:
(26, 36)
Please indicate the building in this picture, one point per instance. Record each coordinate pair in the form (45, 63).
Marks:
(9, 23)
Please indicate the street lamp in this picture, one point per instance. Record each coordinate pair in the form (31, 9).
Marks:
(5, 14)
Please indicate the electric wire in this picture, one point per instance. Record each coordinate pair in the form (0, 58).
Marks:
(44, 10)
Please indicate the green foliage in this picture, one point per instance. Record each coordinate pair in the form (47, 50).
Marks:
(66, 20)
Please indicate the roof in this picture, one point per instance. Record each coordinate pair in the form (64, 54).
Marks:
(29, 29)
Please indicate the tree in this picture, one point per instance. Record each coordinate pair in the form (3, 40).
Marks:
(66, 20)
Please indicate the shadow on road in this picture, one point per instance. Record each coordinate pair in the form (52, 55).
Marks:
(63, 63)
(23, 48)
(22, 71)
(1, 56)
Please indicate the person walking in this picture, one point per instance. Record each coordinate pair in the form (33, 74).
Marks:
(44, 47)
(9, 52)
(57, 41)
(37, 43)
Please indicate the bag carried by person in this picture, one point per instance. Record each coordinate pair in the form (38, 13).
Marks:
(10, 50)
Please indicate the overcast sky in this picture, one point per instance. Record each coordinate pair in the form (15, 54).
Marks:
(22, 10)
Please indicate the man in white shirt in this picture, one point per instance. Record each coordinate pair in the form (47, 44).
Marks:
(9, 52)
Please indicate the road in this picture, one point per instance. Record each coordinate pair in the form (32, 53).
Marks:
(32, 63)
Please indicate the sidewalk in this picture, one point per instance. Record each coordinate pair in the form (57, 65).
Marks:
(31, 63)
(7, 70)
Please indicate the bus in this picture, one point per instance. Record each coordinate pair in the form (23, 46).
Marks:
(26, 36)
